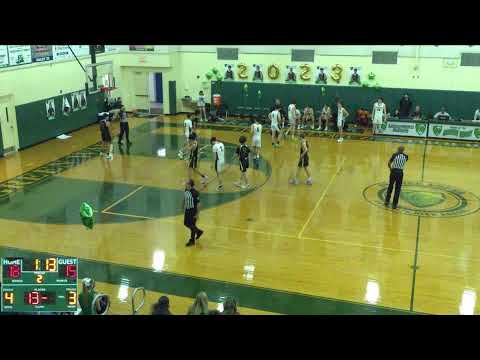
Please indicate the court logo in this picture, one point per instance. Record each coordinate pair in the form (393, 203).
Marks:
(426, 199)
(420, 128)
(437, 129)
(476, 132)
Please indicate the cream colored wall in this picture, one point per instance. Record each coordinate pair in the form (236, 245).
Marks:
(431, 74)
(38, 81)
(34, 82)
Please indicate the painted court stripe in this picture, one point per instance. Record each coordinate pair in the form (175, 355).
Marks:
(300, 234)
(124, 198)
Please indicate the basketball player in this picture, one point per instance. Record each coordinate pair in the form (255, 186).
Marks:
(379, 113)
(292, 117)
(218, 160)
(242, 153)
(308, 116)
(274, 119)
(325, 117)
(201, 106)
(193, 160)
(104, 123)
(188, 130)
(256, 130)
(303, 162)
(341, 117)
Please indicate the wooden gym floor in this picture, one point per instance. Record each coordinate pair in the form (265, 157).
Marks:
(329, 248)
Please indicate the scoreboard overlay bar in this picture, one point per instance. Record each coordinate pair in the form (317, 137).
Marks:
(39, 284)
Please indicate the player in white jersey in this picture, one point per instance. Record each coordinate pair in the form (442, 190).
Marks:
(188, 129)
(275, 119)
(201, 106)
(256, 130)
(187, 126)
(379, 113)
(292, 117)
(341, 117)
(218, 159)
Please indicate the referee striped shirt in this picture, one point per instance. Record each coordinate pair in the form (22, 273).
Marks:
(398, 161)
(191, 199)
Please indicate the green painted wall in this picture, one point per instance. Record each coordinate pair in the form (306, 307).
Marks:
(34, 127)
(353, 97)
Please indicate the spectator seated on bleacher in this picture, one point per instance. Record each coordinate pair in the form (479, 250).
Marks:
(362, 117)
(230, 307)
(162, 307)
(200, 306)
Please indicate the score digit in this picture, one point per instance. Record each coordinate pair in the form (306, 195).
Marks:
(33, 298)
(72, 297)
(51, 265)
(71, 271)
(8, 297)
(14, 271)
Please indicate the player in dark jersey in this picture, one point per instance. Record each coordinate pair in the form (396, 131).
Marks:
(242, 152)
(303, 161)
(104, 122)
(193, 158)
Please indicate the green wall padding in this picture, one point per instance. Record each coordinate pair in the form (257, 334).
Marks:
(1, 142)
(460, 104)
(34, 127)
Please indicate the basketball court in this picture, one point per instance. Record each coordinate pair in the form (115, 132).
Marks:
(329, 248)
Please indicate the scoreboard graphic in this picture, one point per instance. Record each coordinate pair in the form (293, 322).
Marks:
(39, 284)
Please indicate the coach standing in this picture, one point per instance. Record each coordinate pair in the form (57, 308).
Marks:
(396, 164)
(191, 205)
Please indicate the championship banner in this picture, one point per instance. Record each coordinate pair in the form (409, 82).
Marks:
(3, 55)
(81, 50)
(61, 52)
(141, 47)
(403, 128)
(458, 132)
(41, 53)
(50, 107)
(19, 54)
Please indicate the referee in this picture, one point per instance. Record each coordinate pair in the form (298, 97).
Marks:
(396, 164)
(191, 203)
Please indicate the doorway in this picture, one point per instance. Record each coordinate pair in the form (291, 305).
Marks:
(155, 89)
(8, 124)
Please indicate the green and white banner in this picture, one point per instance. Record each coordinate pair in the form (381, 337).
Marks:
(459, 132)
(403, 128)
(3, 56)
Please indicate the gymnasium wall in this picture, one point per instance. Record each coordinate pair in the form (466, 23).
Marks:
(34, 127)
(432, 73)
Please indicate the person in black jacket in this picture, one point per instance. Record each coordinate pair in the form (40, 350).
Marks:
(162, 307)
(405, 106)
